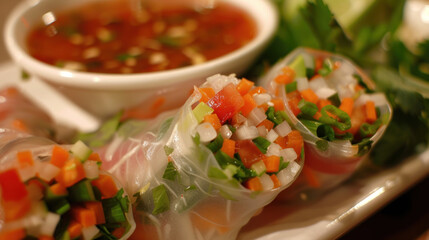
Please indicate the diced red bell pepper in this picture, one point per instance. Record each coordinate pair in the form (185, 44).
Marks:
(12, 188)
(249, 152)
(226, 103)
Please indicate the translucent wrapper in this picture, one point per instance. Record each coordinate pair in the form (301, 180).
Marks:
(180, 189)
(20, 114)
(328, 163)
(35, 203)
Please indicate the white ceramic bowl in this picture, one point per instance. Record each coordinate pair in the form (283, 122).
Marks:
(106, 94)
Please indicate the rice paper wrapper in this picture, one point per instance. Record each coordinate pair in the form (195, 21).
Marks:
(180, 191)
(33, 220)
(328, 166)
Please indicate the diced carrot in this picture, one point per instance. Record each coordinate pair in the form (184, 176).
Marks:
(213, 120)
(275, 180)
(267, 124)
(281, 141)
(278, 104)
(71, 173)
(58, 189)
(16, 234)
(293, 100)
(254, 184)
(323, 102)
(347, 105)
(356, 119)
(309, 95)
(94, 156)
(45, 237)
(294, 140)
(86, 217)
(97, 208)
(25, 159)
(370, 112)
(206, 94)
(244, 86)
(118, 232)
(318, 64)
(314, 77)
(106, 185)
(14, 210)
(228, 147)
(12, 189)
(287, 76)
(59, 156)
(20, 125)
(359, 88)
(36, 183)
(337, 64)
(74, 229)
(249, 105)
(157, 104)
(257, 90)
(264, 106)
(272, 163)
(317, 115)
(311, 177)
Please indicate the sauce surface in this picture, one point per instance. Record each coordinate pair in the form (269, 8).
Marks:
(109, 37)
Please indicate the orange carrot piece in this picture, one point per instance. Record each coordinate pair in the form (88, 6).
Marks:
(94, 157)
(267, 124)
(257, 90)
(249, 105)
(287, 76)
(347, 105)
(228, 147)
(86, 217)
(206, 94)
(97, 208)
(59, 156)
(106, 185)
(16, 234)
(293, 100)
(45, 237)
(74, 229)
(272, 163)
(275, 180)
(58, 189)
(318, 64)
(323, 102)
(244, 86)
(14, 210)
(254, 184)
(370, 111)
(309, 95)
(317, 115)
(278, 104)
(118, 232)
(71, 173)
(295, 140)
(25, 159)
(213, 119)
(20, 125)
(358, 88)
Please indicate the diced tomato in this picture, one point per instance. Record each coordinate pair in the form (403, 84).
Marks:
(226, 103)
(12, 189)
(249, 152)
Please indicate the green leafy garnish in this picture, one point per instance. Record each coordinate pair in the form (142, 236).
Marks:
(262, 144)
(160, 200)
(170, 172)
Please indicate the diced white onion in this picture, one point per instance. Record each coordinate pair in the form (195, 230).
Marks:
(288, 154)
(26, 173)
(346, 91)
(239, 119)
(266, 182)
(283, 129)
(261, 98)
(301, 83)
(317, 83)
(257, 115)
(48, 171)
(272, 135)
(225, 131)
(287, 175)
(91, 169)
(379, 99)
(207, 132)
(89, 232)
(262, 130)
(246, 132)
(259, 167)
(218, 82)
(51, 221)
(325, 93)
(274, 150)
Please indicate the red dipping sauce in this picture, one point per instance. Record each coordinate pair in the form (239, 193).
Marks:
(110, 37)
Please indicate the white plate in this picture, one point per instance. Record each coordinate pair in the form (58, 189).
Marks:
(326, 217)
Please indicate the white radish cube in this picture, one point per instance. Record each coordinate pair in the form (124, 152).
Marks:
(274, 150)
(259, 167)
(261, 98)
(272, 135)
(246, 132)
(206, 131)
(26, 173)
(325, 93)
(266, 182)
(301, 83)
(47, 172)
(89, 232)
(257, 115)
(51, 221)
(317, 83)
(283, 129)
(262, 130)
(288, 154)
(218, 82)
(91, 169)
(225, 132)
(287, 175)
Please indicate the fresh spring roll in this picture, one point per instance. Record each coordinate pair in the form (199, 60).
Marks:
(19, 114)
(50, 191)
(334, 106)
(203, 171)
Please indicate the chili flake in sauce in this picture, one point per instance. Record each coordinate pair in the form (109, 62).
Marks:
(109, 37)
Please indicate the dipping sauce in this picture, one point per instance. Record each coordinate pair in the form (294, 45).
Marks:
(111, 37)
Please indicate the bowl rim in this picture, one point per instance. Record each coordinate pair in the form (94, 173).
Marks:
(266, 23)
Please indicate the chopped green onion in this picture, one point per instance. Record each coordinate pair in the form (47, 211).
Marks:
(273, 117)
(307, 108)
(262, 144)
(59, 206)
(322, 145)
(343, 116)
(202, 110)
(81, 151)
(335, 100)
(216, 144)
(326, 68)
(364, 146)
(283, 164)
(81, 192)
(310, 72)
(160, 200)
(290, 87)
(113, 211)
(367, 130)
